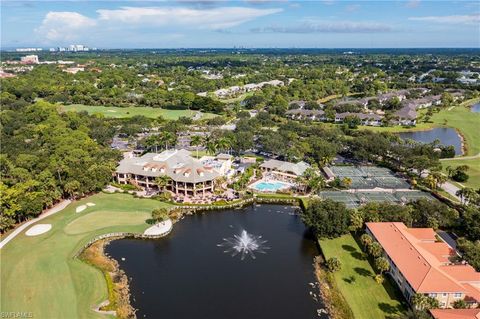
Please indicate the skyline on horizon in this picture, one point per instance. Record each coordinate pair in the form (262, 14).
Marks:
(248, 24)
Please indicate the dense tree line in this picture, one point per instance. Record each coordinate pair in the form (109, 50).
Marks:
(47, 156)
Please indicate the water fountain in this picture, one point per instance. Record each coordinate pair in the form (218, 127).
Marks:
(244, 244)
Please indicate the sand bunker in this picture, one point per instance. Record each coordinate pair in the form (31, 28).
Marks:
(81, 208)
(38, 229)
(90, 204)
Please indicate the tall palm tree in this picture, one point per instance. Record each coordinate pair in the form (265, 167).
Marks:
(211, 147)
(224, 143)
(196, 141)
(162, 182)
(167, 138)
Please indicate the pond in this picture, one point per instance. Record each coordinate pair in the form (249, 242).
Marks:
(446, 136)
(476, 108)
(192, 272)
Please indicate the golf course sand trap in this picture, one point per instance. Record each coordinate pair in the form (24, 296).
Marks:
(90, 204)
(80, 208)
(38, 229)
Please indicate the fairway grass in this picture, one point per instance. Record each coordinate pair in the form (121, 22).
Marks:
(473, 172)
(40, 274)
(125, 112)
(355, 280)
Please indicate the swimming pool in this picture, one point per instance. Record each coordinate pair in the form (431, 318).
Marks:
(270, 186)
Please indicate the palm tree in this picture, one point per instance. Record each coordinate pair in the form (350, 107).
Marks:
(382, 264)
(366, 240)
(167, 138)
(196, 141)
(224, 143)
(375, 249)
(347, 182)
(162, 182)
(211, 147)
(431, 181)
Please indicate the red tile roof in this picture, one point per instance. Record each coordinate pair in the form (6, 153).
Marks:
(455, 313)
(424, 263)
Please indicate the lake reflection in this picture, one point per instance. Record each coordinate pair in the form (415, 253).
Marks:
(447, 136)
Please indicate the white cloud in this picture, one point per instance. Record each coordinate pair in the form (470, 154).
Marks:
(61, 27)
(472, 19)
(215, 18)
(327, 27)
(64, 26)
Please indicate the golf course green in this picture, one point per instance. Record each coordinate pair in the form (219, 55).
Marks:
(40, 275)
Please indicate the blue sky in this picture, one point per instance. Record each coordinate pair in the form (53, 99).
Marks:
(249, 23)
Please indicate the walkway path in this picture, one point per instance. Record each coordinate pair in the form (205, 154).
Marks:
(451, 189)
(55, 209)
(461, 158)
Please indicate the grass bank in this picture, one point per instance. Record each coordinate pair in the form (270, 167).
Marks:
(40, 275)
(125, 112)
(473, 172)
(355, 280)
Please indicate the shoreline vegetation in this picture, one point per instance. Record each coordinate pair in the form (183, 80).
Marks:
(118, 302)
(333, 299)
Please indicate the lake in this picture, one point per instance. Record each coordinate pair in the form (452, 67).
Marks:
(476, 108)
(447, 136)
(188, 275)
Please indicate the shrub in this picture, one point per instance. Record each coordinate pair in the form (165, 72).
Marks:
(333, 264)
(460, 304)
(379, 279)
(160, 214)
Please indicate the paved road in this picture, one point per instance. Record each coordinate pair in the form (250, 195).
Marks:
(451, 189)
(55, 209)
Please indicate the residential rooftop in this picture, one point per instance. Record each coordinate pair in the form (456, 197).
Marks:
(424, 261)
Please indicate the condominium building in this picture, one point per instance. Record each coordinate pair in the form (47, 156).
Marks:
(421, 263)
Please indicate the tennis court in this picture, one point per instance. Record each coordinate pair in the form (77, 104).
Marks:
(349, 199)
(369, 177)
(347, 171)
(391, 182)
(352, 200)
(367, 197)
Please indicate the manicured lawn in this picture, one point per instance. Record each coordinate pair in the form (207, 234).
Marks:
(124, 112)
(366, 298)
(473, 172)
(40, 275)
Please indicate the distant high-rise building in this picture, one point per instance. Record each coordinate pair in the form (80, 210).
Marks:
(28, 49)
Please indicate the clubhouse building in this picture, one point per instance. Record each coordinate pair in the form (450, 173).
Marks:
(421, 263)
(186, 175)
(284, 170)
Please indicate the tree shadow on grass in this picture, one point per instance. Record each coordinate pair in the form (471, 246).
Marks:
(363, 272)
(358, 255)
(349, 248)
(389, 309)
(151, 221)
(350, 280)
